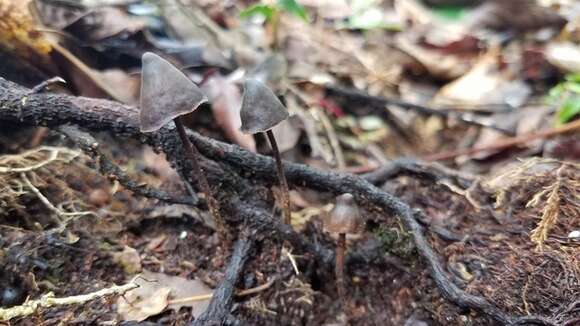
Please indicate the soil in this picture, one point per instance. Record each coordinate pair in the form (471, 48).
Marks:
(488, 258)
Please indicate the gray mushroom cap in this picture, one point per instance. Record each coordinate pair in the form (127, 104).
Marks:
(345, 217)
(261, 109)
(166, 93)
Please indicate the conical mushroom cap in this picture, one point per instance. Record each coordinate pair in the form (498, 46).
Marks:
(345, 217)
(261, 109)
(166, 93)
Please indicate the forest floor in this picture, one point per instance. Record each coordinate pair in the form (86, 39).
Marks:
(494, 174)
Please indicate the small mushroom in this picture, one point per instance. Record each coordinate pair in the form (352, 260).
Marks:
(167, 94)
(261, 111)
(344, 219)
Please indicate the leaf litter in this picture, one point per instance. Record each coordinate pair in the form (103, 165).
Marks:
(507, 234)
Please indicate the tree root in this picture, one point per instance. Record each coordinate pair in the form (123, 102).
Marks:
(406, 166)
(232, 168)
(218, 310)
(90, 146)
(48, 300)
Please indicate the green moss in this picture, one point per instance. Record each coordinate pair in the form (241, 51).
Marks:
(396, 241)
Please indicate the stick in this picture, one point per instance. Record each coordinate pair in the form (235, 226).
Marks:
(48, 300)
(219, 308)
(507, 142)
(356, 95)
(90, 146)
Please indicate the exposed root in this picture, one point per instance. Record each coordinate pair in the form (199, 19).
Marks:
(48, 300)
(239, 196)
(22, 174)
(17, 170)
(35, 159)
(62, 217)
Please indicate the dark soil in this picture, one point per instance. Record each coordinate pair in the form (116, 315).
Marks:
(487, 258)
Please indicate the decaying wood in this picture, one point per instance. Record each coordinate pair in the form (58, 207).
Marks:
(242, 177)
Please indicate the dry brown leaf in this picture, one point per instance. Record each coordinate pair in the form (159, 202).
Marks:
(19, 34)
(226, 102)
(485, 84)
(516, 15)
(287, 134)
(115, 84)
(142, 302)
(100, 23)
(158, 163)
(440, 65)
(156, 292)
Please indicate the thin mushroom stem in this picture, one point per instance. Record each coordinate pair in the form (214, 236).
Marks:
(339, 268)
(282, 177)
(193, 155)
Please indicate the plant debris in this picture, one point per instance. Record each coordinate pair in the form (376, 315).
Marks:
(453, 126)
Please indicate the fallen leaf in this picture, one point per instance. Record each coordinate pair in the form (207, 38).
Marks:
(487, 83)
(19, 34)
(329, 9)
(271, 71)
(101, 23)
(226, 100)
(565, 56)
(519, 16)
(158, 292)
(89, 82)
(438, 64)
(158, 163)
(143, 302)
(287, 134)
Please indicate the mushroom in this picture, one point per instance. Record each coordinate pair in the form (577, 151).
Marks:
(167, 94)
(261, 111)
(344, 219)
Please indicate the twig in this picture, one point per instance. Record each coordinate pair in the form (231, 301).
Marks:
(52, 157)
(64, 217)
(291, 259)
(48, 300)
(358, 96)
(47, 83)
(239, 293)
(333, 140)
(428, 170)
(507, 142)
(90, 146)
(219, 308)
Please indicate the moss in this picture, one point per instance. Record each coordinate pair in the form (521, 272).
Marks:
(396, 241)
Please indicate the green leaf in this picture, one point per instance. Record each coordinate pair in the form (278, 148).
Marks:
(566, 95)
(294, 8)
(569, 109)
(368, 19)
(450, 12)
(573, 87)
(258, 9)
(574, 78)
(555, 93)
